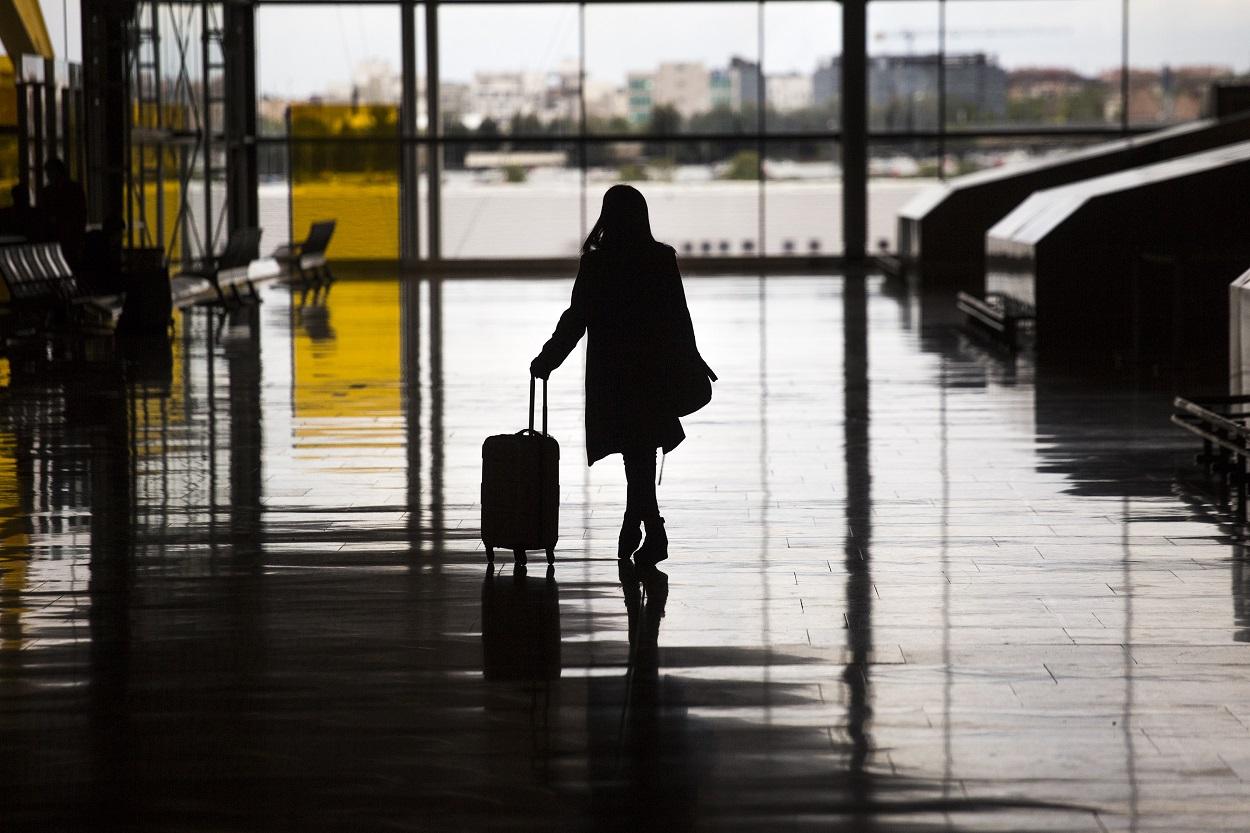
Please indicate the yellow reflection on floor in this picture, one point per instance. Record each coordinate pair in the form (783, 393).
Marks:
(158, 401)
(14, 556)
(347, 358)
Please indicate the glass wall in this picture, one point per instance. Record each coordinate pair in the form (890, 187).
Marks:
(1033, 63)
(1175, 52)
(525, 84)
(332, 104)
(668, 68)
(725, 114)
(510, 187)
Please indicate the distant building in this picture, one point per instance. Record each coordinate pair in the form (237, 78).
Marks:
(606, 101)
(685, 86)
(453, 101)
(976, 83)
(1167, 94)
(721, 90)
(1044, 82)
(640, 101)
(745, 80)
(376, 81)
(903, 89)
(270, 109)
(499, 96)
(788, 91)
(827, 82)
(562, 99)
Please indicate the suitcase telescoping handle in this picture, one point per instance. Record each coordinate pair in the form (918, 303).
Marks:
(532, 405)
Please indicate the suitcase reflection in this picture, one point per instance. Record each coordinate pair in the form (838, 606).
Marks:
(520, 625)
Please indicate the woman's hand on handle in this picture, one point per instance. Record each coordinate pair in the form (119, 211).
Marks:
(539, 368)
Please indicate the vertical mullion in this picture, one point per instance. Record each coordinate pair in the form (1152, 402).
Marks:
(409, 173)
(434, 157)
(290, 176)
(1124, 68)
(582, 144)
(762, 96)
(941, 80)
(206, 128)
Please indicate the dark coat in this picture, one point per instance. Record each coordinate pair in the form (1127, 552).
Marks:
(633, 308)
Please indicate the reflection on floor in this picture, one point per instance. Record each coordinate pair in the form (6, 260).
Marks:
(913, 586)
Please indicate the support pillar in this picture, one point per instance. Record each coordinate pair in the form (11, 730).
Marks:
(105, 27)
(239, 57)
(854, 110)
(409, 151)
(434, 154)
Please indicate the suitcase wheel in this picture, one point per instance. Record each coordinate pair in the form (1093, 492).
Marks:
(551, 555)
(490, 554)
(519, 555)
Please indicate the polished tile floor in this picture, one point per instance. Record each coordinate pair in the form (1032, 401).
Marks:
(914, 585)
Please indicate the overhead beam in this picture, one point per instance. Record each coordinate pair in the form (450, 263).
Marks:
(22, 30)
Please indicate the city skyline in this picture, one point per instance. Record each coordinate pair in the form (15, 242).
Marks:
(902, 93)
(1084, 37)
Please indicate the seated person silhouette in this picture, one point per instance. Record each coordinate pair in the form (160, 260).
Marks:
(643, 368)
(64, 207)
(18, 219)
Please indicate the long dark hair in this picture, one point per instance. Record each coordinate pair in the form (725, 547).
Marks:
(623, 222)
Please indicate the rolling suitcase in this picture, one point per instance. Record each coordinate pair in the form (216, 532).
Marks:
(521, 489)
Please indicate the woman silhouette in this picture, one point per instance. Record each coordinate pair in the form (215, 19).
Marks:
(643, 369)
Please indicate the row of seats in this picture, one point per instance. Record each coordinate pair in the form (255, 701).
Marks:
(37, 271)
(41, 291)
(725, 247)
(232, 275)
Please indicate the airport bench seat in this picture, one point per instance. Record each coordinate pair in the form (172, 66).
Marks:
(306, 259)
(43, 292)
(228, 273)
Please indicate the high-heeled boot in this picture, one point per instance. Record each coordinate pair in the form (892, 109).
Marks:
(630, 538)
(655, 548)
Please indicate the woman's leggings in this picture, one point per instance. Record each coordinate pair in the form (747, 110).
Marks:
(640, 501)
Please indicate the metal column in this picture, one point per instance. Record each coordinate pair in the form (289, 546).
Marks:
(239, 56)
(855, 128)
(409, 158)
(434, 155)
(106, 119)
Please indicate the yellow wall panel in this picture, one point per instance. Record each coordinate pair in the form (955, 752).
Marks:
(367, 215)
(348, 355)
(354, 180)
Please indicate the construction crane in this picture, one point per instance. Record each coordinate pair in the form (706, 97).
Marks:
(909, 35)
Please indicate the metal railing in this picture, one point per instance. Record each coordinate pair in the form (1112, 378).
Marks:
(1223, 423)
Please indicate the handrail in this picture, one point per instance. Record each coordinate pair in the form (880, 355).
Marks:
(1219, 430)
(997, 313)
(1207, 415)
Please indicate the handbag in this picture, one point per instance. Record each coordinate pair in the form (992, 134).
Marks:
(690, 385)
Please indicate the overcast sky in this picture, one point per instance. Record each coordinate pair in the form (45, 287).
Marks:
(66, 40)
(308, 49)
